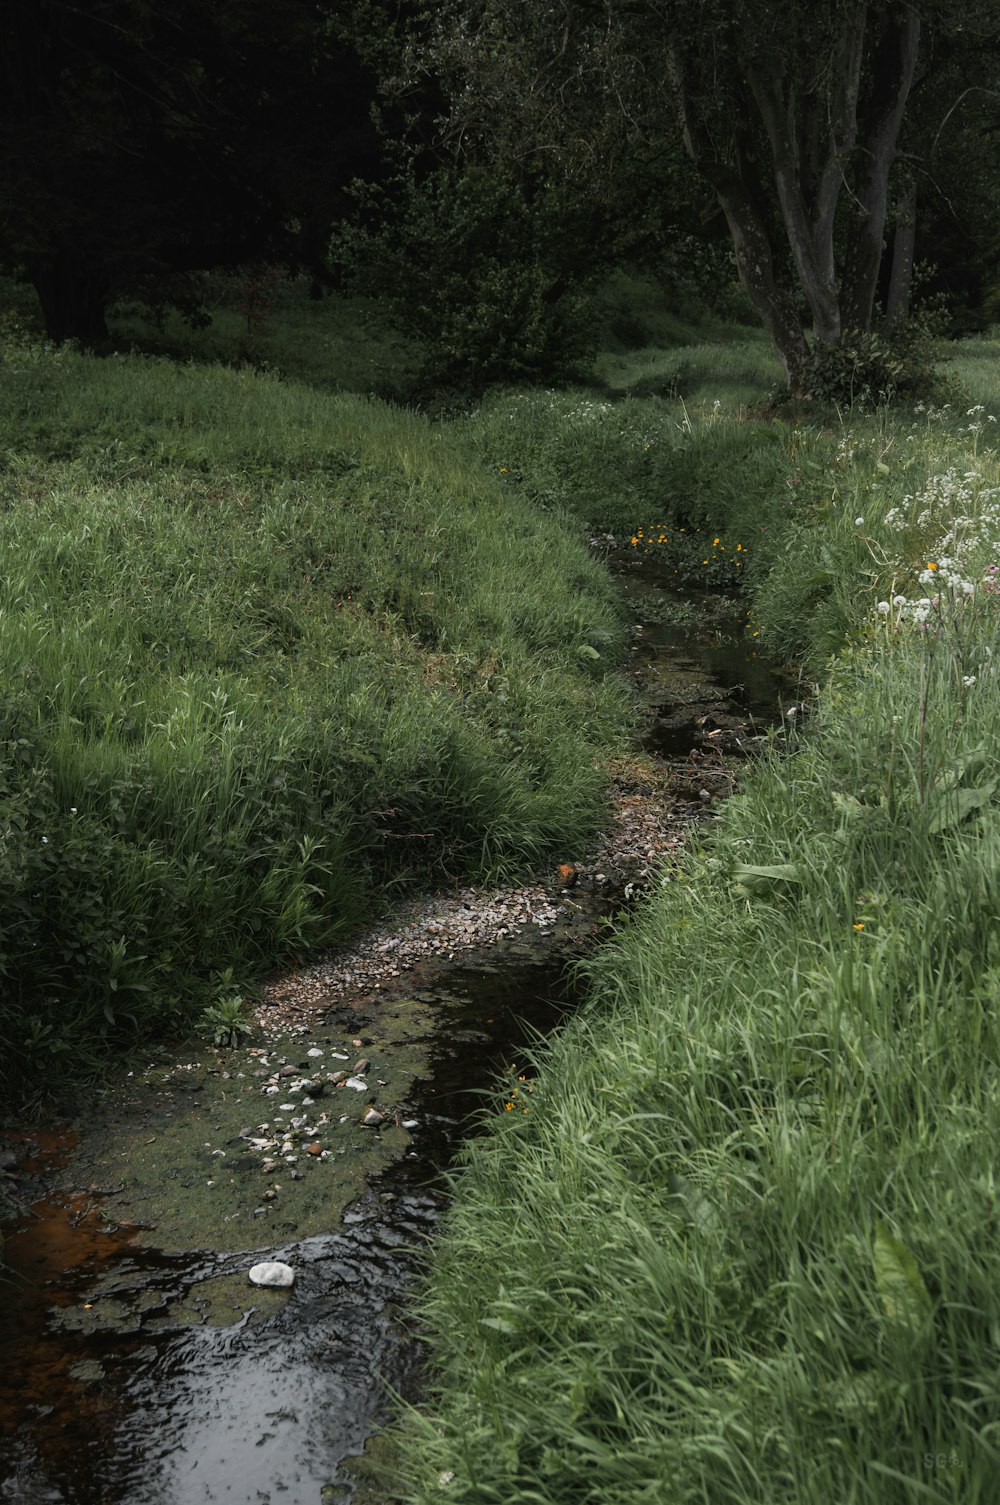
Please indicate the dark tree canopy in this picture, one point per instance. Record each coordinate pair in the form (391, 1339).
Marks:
(139, 139)
(791, 114)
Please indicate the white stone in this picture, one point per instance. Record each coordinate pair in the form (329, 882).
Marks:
(272, 1273)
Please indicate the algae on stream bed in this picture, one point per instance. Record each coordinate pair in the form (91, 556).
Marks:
(190, 1152)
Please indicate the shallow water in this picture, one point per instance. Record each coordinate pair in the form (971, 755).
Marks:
(137, 1363)
(131, 1374)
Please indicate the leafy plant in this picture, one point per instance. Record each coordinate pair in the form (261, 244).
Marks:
(225, 1021)
(897, 363)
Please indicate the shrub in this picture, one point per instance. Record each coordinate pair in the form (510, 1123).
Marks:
(867, 369)
(485, 270)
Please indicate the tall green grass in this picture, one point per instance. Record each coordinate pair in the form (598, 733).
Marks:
(739, 1245)
(266, 655)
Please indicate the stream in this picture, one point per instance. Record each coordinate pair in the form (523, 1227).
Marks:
(137, 1362)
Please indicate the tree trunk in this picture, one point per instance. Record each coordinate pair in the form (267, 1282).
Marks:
(742, 200)
(893, 65)
(73, 298)
(808, 147)
(897, 302)
(774, 304)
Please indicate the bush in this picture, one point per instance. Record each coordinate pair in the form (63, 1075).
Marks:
(867, 369)
(487, 272)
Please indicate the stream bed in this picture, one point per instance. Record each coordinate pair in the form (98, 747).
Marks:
(137, 1362)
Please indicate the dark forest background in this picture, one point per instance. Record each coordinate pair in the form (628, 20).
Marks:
(480, 165)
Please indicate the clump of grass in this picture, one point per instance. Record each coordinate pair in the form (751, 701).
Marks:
(613, 464)
(748, 1246)
(267, 656)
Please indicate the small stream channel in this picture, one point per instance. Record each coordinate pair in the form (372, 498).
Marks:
(137, 1364)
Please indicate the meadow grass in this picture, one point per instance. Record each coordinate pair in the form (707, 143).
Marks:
(734, 1239)
(268, 654)
(336, 343)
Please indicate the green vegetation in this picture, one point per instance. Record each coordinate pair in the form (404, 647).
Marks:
(740, 1242)
(267, 321)
(272, 651)
(268, 654)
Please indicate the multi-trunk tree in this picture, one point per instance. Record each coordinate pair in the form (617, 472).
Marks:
(790, 113)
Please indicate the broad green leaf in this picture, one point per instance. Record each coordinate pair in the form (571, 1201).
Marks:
(952, 806)
(498, 1324)
(755, 880)
(846, 805)
(901, 1288)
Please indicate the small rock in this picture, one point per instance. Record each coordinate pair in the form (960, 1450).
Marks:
(360, 1067)
(358, 1083)
(270, 1195)
(272, 1273)
(315, 1148)
(288, 1071)
(373, 1118)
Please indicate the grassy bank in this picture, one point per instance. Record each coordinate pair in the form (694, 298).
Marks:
(268, 654)
(741, 1245)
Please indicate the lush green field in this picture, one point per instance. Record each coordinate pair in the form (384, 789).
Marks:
(742, 1242)
(268, 653)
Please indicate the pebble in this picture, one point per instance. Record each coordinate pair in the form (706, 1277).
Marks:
(272, 1273)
